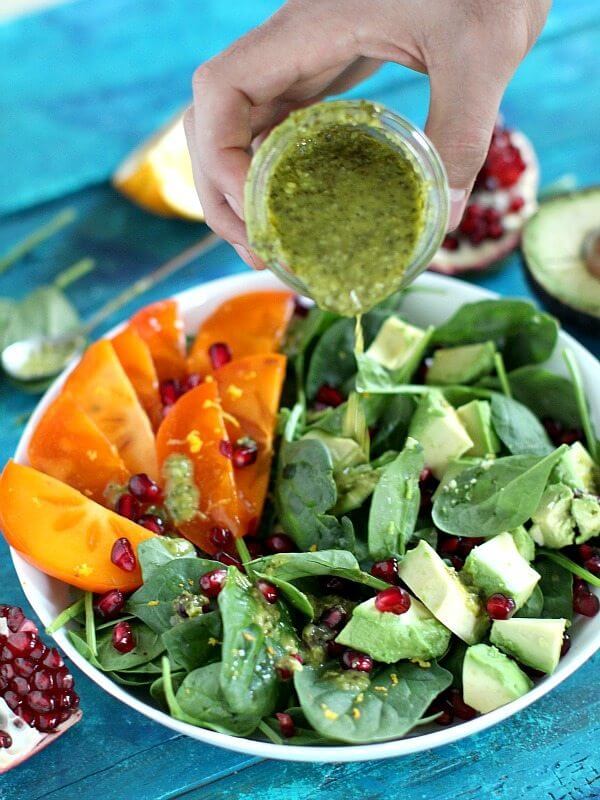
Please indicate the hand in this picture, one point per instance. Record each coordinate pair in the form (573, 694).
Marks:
(313, 48)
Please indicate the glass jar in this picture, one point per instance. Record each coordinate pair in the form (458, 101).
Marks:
(376, 121)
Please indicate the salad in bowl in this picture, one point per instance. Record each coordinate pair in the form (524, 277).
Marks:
(278, 540)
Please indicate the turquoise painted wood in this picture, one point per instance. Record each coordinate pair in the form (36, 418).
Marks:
(63, 131)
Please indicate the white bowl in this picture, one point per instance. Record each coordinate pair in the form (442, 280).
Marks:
(442, 297)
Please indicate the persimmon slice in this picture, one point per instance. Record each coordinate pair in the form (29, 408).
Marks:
(250, 391)
(195, 428)
(161, 328)
(136, 359)
(63, 533)
(69, 446)
(249, 323)
(100, 387)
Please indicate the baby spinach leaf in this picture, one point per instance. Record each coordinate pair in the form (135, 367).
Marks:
(453, 660)
(294, 596)
(526, 335)
(304, 491)
(518, 428)
(556, 585)
(355, 707)
(154, 602)
(153, 553)
(194, 642)
(148, 645)
(543, 392)
(293, 566)
(575, 569)
(256, 635)
(391, 426)
(332, 420)
(333, 361)
(494, 496)
(429, 535)
(395, 503)
(203, 703)
(355, 485)
(534, 605)
(157, 689)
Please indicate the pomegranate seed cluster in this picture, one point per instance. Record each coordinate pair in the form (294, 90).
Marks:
(141, 502)
(34, 681)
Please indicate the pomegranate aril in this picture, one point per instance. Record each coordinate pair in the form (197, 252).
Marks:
(5, 740)
(22, 643)
(329, 396)
(334, 649)
(122, 555)
(459, 708)
(27, 715)
(450, 242)
(585, 603)
(334, 617)
(40, 701)
(15, 619)
(226, 448)
(361, 662)
(592, 564)
(499, 606)
(152, 523)
(228, 559)
(39, 651)
(386, 570)
(245, 452)
(221, 538)
(7, 672)
(219, 354)
(457, 563)
(254, 546)
(467, 543)
(516, 204)
(301, 306)
(495, 231)
(394, 600)
(64, 679)
(19, 685)
(67, 700)
(170, 392)
(123, 639)
(280, 543)
(12, 699)
(128, 506)
(144, 488)
(566, 644)
(268, 591)
(43, 680)
(286, 724)
(47, 722)
(443, 708)
(111, 603)
(24, 667)
(53, 659)
(212, 582)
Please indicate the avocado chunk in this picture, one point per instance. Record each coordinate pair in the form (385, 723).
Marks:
(534, 642)
(554, 245)
(476, 416)
(388, 637)
(491, 679)
(497, 566)
(523, 542)
(399, 345)
(586, 516)
(577, 470)
(439, 587)
(437, 427)
(464, 364)
(553, 525)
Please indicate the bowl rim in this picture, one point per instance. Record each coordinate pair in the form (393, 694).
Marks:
(189, 300)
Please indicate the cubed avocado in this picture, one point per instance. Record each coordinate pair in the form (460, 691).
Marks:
(476, 416)
(439, 587)
(397, 343)
(496, 566)
(391, 637)
(436, 425)
(524, 543)
(577, 470)
(464, 364)
(586, 515)
(534, 642)
(491, 679)
(553, 525)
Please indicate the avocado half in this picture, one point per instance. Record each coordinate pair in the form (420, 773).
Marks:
(561, 249)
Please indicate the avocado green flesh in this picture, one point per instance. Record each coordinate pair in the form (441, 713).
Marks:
(347, 209)
(491, 679)
(552, 246)
(534, 642)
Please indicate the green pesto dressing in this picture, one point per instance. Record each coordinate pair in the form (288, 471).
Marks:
(346, 208)
(181, 493)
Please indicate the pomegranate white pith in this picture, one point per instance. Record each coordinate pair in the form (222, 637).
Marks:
(504, 197)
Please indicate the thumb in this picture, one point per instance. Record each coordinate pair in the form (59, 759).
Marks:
(462, 114)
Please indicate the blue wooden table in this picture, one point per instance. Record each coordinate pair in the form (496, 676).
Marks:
(79, 86)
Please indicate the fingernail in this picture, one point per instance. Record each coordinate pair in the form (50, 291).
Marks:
(234, 205)
(458, 201)
(243, 253)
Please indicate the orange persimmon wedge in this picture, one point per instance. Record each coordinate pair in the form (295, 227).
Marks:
(249, 323)
(136, 359)
(100, 387)
(63, 533)
(250, 391)
(195, 428)
(69, 446)
(161, 327)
